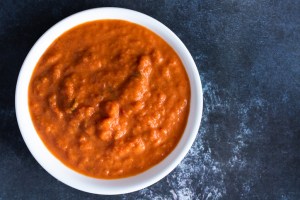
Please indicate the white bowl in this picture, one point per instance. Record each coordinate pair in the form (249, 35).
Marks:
(72, 178)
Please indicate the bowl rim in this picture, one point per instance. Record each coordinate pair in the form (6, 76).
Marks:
(70, 177)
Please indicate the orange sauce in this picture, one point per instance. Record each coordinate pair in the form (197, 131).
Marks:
(109, 98)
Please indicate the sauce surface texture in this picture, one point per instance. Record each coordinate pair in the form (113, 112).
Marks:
(109, 98)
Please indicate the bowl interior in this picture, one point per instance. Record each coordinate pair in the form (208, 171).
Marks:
(99, 186)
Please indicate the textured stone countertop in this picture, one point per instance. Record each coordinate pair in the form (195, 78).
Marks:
(248, 56)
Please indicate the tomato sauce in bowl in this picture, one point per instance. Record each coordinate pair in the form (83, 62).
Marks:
(109, 98)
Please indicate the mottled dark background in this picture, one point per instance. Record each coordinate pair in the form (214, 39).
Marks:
(248, 56)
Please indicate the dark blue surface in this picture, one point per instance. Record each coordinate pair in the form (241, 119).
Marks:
(248, 56)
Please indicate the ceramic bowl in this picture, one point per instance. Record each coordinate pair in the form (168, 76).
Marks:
(72, 178)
